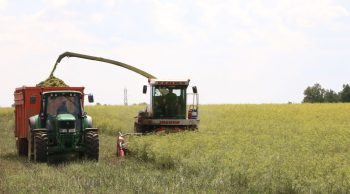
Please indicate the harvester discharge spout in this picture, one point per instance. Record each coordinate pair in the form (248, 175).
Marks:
(93, 58)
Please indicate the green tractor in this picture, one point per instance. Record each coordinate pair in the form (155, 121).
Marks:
(62, 126)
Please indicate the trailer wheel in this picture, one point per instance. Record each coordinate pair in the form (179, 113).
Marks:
(22, 146)
(40, 146)
(91, 145)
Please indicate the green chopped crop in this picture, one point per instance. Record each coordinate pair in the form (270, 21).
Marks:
(52, 81)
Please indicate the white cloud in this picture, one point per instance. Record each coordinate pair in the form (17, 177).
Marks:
(3, 4)
(245, 22)
(58, 3)
(243, 44)
(278, 25)
(97, 17)
(64, 3)
(31, 43)
(111, 2)
(36, 32)
(169, 18)
(312, 12)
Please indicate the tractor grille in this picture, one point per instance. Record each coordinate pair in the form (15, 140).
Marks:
(66, 124)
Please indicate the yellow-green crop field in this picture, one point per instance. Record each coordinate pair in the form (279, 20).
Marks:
(302, 148)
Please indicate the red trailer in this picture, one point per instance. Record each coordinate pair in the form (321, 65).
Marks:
(27, 104)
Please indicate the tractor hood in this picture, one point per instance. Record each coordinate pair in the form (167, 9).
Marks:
(65, 117)
(66, 122)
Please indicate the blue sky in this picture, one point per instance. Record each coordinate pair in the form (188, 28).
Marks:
(235, 51)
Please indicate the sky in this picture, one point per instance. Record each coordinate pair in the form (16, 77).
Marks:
(234, 51)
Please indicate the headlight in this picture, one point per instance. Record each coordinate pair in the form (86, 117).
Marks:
(72, 130)
(63, 130)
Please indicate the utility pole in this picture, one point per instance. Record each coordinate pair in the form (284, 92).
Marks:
(125, 97)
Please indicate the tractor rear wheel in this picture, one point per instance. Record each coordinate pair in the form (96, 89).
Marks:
(40, 146)
(22, 146)
(91, 145)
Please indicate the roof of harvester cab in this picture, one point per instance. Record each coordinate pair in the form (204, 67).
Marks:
(169, 82)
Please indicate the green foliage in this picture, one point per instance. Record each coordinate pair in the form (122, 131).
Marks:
(345, 93)
(238, 149)
(260, 149)
(52, 81)
(314, 94)
(112, 119)
(330, 96)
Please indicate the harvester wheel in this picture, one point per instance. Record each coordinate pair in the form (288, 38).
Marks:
(137, 128)
(22, 146)
(40, 146)
(141, 129)
(92, 145)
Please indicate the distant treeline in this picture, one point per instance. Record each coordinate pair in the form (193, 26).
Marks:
(317, 94)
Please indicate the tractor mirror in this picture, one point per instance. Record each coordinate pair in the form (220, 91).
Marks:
(194, 89)
(91, 98)
(144, 89)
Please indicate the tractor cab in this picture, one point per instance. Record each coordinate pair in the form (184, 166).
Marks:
(62, 109)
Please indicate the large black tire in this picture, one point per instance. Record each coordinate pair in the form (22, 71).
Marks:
(92, 145)
(40, 146)
(22, 146)
(137, 128)
(142, 129)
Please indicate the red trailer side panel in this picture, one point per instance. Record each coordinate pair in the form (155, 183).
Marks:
(27, 104)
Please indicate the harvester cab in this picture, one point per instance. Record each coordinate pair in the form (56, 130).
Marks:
(168, 109)
(62, 126)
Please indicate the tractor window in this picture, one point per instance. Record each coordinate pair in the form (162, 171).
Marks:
(63, 104)
(169, 101)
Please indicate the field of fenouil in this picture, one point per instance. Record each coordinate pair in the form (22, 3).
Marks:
(302, 148)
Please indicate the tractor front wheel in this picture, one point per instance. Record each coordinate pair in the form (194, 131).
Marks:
(40, 146)
(92, 145)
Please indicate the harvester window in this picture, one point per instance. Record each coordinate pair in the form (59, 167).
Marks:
(169, 101)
